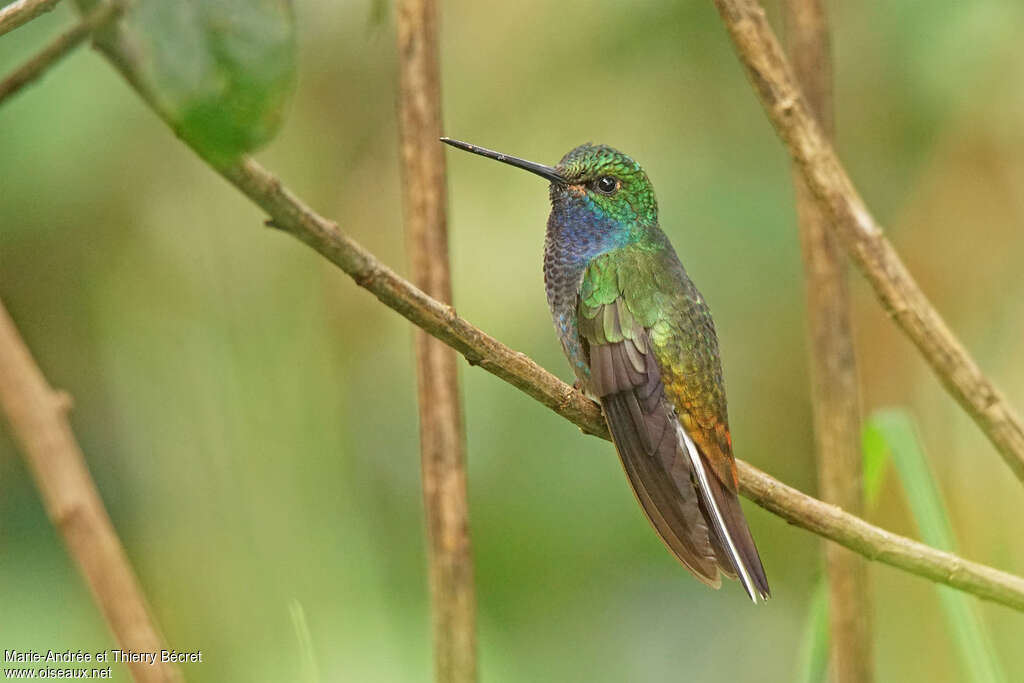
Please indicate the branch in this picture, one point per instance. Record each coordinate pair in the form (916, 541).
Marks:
(442, 439)
(61, 46)
(834, 388)
(23, 11)
(440, 320)
(38, 419)
(878, 544)
(861, 235)
(294, 217)
(290, 214)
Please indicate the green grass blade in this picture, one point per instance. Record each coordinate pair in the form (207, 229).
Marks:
(875, 463)
(893, 431)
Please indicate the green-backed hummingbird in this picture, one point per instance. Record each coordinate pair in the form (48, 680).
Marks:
(640, 339)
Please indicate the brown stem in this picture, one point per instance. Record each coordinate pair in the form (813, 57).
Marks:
(292, 215)
(442, 441)
(833, 364)
(860, 234)
(23, 11)
(878, 544)
(38, 418)
(61, 46)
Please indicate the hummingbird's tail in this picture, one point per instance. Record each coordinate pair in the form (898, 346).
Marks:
(731, 538)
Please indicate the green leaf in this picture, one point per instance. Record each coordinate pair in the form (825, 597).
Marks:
(893, 432)
(874, 463)
(221, 71)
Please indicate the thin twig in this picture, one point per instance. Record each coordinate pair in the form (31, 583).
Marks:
(61, 46)
(860, 233)
(23, 11)
(835, 394)
(38, 418)
(293, 216)
(442, 440)
(878, 544)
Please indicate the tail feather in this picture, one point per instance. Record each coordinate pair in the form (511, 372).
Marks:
(730, 534)
(673, 513)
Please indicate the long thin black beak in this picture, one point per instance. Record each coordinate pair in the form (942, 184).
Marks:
(547, 172)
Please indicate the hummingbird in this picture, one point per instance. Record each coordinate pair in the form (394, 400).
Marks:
(640, 339)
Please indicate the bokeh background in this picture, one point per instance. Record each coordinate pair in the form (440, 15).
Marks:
(249, 413)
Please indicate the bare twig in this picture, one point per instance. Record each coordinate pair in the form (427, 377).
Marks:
(38, 418)
(860, 233)
(442, 441)
(833, 366)
(23, 11)
(291, 215)
(61, 46)
(880, 545)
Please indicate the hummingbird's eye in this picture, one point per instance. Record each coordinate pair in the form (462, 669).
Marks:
(606, 184)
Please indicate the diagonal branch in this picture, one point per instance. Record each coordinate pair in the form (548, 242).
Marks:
(291, 215)
(834, 390)
(63, 44)
(23, 11)
(38, 418)
(860, 233)
(442, 439)
(878, 544)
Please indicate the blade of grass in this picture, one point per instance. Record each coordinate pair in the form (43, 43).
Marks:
(893, 432)
(875, 463)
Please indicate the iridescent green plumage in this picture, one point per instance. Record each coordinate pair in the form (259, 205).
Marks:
(653, 293)
(641, 340)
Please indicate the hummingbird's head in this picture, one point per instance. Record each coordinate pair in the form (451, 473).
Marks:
(607, 182)
(596, 178)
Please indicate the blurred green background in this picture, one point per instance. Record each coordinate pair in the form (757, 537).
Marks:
(249, 413)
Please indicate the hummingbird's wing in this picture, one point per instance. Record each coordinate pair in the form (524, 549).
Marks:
(625, 376)
(660, 387)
